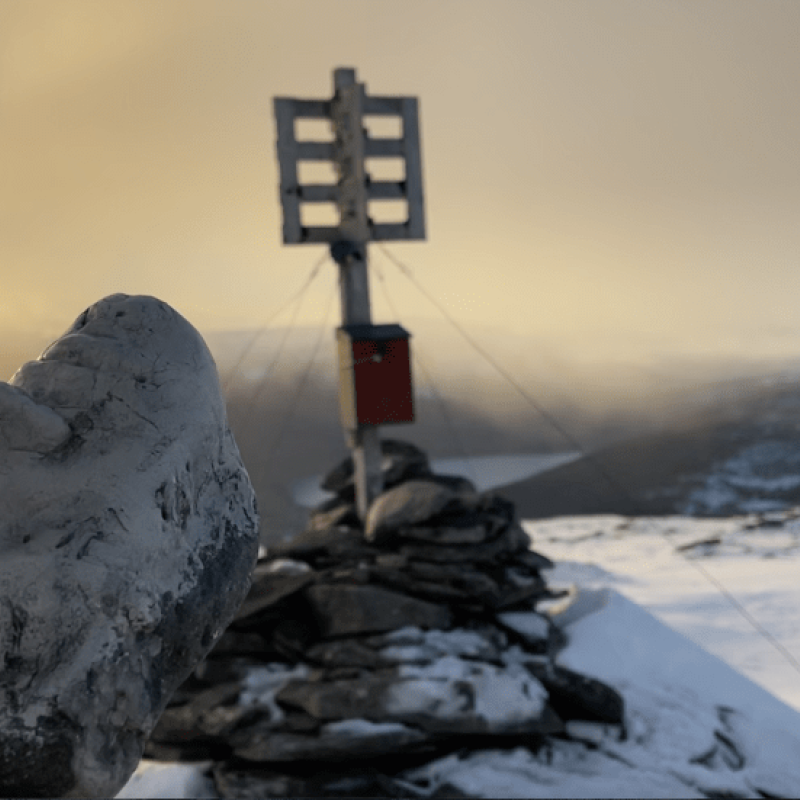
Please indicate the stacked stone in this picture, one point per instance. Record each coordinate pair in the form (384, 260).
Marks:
(363, 650)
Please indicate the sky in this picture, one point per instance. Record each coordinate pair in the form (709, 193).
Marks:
(614, 175)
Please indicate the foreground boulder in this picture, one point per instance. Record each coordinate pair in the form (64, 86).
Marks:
(128, 532)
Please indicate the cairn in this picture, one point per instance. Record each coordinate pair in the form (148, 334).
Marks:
(362, 651)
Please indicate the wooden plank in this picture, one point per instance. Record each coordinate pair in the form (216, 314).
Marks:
(319, 193)
(317, 234)
(350, 103)
(383, 106)
(386, 190)
(314, 151)
(416, 207)
(287, 163)
(312, 109)
(376, 148)
(389, 231)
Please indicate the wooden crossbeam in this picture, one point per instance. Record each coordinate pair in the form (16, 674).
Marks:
(291, 151)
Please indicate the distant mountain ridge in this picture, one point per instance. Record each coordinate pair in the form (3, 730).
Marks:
(741, 456)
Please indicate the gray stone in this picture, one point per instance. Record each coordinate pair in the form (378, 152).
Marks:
(340, 699)
(346, 739)
(511, 542)
(270, 589)
(239, 784)
(391, 561)
(331, 514)
(221, 670)
(475, 534)
(408, 583)
(522, 597)
(456, 483)
(409, 504)
(334, 544)
(453, 696)
(342, 610)
(207, 716)
(128, 531)
(344, 653)
(533, 560)
(415, 646)
(400, 461)
(535, 629)
(234, 643)
(257, 783)
(576, 696)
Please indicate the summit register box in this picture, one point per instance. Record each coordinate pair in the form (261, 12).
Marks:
(374, 375)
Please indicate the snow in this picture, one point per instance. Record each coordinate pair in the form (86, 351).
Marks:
(703, 688)
(758, 564)
(502, 696)
(411, 644)
(261, 684)
(154, 779)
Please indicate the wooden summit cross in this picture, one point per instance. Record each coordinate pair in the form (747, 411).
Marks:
(374, 364)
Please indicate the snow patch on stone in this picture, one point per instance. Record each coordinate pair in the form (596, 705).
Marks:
(261, 684)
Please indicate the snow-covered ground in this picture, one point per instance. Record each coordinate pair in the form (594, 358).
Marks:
(651, 562)
(712, 704)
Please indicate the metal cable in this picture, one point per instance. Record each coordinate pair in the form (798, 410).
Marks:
(294, 402)
(554, 424)
(259, 387)
(257, 335)
(419, 361)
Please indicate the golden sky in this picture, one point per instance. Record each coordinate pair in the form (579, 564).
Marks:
(609, 173)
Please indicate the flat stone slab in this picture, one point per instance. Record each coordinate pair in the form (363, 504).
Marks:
(409, 504)
(353, 739)
(511, 542)
(344, 610)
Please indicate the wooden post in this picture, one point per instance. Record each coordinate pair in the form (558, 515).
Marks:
(351, 193)
(350, 254)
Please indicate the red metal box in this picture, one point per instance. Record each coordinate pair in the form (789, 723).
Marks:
(374, 375)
